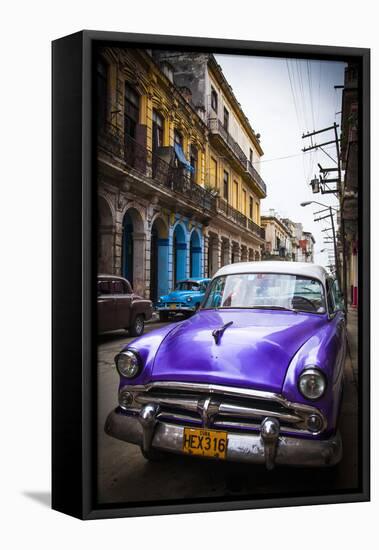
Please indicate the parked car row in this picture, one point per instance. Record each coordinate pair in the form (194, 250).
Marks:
(118, 307)
(255, 375)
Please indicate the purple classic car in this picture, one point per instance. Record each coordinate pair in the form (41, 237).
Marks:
(255, 375)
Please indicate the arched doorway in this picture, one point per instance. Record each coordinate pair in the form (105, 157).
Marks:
(179, 254)
(133, 250)
(158, 260)
(195, 254)
(105, 238)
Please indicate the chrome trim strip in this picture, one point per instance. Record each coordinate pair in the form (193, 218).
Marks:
(223, 409)
(187, 404)
(226, 409)
(224, 424)
(230, 391)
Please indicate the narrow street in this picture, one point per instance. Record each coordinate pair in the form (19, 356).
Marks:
(125, 476)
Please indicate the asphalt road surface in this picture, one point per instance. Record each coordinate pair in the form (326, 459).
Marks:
(124, 476)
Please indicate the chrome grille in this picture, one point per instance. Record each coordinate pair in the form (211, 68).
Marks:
(235, 409)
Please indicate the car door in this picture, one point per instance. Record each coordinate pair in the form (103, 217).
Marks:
(122, 294)
(106, 311)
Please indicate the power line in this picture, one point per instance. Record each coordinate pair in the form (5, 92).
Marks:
(293, 94)
(310, 91)
(287, 156)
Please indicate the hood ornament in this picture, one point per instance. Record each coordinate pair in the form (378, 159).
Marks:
(218, 332)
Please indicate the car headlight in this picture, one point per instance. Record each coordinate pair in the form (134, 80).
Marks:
(128, 363)
(189, 299)
(312, 383)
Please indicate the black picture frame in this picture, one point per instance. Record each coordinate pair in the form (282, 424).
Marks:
(74, 242)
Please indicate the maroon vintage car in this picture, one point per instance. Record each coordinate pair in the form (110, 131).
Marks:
(118, 307)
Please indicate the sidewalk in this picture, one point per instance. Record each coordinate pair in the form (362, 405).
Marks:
(352, 335)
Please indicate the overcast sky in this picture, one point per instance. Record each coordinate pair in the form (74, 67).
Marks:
(282, 99)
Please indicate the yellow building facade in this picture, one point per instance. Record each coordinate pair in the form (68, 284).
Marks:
(176, 199)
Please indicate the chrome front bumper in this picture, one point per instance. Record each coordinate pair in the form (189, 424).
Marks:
(267, 447)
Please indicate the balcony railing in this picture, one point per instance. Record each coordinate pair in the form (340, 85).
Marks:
(152, 166)
(110, 138)
(216, 127)
(240, 219)
(257, 229)
(256, 176)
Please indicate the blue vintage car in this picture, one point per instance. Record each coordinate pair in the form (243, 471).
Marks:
(186, 298)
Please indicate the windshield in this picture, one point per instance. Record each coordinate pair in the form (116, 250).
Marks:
(266, 291)
(187, 285)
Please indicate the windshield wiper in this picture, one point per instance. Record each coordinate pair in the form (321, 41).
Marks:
(282, 308)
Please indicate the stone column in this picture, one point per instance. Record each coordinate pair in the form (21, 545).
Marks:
(214, 254)
(139, 264)
(226, 252)
(117, 257)
(236, 253)
(244, 256)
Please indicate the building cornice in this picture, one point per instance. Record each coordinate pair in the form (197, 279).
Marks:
(278, 222)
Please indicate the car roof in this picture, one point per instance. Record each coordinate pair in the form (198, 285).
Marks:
(107, 276)
(194, 280)
(304, 269)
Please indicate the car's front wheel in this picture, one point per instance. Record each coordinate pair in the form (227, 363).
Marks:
(138, 326)
(153, 455)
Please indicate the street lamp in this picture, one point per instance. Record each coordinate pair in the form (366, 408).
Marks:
(307, 203)
(330, 208)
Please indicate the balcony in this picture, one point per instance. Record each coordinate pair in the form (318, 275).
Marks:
(156, 170)
(217, 129)
(240, 219)
(277, 254)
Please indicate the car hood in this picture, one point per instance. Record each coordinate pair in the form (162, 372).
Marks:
(180, 295)
(255, 351)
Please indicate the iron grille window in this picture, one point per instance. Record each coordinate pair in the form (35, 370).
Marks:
(214, 100)
(158, 123)
(236, 197)
(193, 160)
(226, 119)
(132, 102)
(226, 185)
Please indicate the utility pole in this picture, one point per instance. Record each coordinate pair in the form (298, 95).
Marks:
(322, 185)
(330, 215)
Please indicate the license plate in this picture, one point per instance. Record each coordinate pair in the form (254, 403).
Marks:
(205, 442)
(172, 306)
